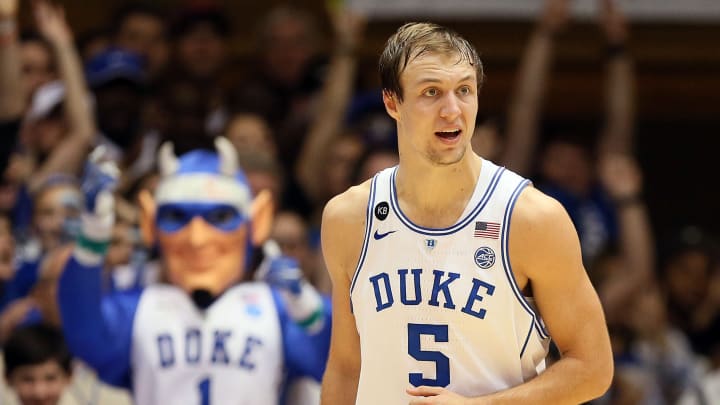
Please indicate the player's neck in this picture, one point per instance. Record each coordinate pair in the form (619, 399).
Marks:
(436, 196)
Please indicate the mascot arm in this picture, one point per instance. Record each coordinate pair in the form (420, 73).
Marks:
(305, 351)
(98, 328)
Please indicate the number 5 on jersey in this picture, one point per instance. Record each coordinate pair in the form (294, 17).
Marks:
(442, 362)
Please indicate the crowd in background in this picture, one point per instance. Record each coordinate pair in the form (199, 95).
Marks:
(305, 131)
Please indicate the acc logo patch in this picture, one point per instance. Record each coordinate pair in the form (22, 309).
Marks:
(484, 257)
(381, 210)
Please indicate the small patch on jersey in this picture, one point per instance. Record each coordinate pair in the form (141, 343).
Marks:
(381, 210)
(484, 257)
(253, 310)
(430, 243)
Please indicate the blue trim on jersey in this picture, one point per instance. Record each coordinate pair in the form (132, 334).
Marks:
(368, 229)
(527, 339)
(454, 228)
(506, 259)
(98, 328)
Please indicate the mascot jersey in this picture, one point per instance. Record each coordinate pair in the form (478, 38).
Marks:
(167, 351)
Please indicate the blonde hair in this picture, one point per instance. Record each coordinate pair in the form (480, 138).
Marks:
(413, 40)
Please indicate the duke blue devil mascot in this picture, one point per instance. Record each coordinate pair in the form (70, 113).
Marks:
(204, 337)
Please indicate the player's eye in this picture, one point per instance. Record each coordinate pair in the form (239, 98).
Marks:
(431, 92)
(464, 90)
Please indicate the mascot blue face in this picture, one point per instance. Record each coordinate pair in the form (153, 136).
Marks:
(201, 218)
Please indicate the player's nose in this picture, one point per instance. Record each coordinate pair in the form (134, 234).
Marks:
(450, 108)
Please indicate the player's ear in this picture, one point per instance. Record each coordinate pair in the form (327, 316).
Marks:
(262, 210)
(148, 209)
(390, 100)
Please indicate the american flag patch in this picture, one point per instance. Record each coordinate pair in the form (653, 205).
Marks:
(490, 230)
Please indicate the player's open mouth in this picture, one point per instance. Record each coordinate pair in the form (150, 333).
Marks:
(449, 135)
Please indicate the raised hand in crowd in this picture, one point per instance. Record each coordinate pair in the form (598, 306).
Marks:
(613, 22)
(621, 178)
(328, 120)
(617, 136)
(530, 86)
(348, 26)
(8, 8)
(51, 23)
(555, 15)
(12, 97)
(68, 154)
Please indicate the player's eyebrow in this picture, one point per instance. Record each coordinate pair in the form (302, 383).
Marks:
(425, 80)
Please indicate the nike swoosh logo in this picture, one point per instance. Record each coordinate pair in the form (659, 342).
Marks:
(379, 235)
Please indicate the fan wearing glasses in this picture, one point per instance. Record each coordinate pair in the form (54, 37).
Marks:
(206, 336)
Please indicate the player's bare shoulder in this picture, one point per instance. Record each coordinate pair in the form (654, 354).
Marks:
(539, 227)
(343, 226)
(533, 208)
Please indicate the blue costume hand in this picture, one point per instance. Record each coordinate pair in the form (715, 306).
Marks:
(99, 178)
(284, 273)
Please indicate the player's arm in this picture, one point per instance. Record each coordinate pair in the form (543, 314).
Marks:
(544, 248)
(343, 226)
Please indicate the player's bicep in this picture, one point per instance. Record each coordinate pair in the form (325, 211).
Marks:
(341, 243)
(546, 247)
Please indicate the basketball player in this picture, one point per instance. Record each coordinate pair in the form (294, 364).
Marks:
(203, 338)
(450, 273)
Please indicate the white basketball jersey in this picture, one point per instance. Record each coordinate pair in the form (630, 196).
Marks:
(441, 307)
(230, 353)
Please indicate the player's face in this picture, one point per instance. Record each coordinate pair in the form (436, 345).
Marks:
(40, 384)
(205, 250)
(436, 118)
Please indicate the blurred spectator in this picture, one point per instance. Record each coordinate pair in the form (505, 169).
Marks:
(291, 233)
(285, 78)
(91, 43)
(567, 162)
(37, 364)
(691, 280)
(60, 128)
(518, 148)
(200, 31)
(663, 351)
(141, 29)
(249, 132)
(372, 162)
(118, 80)
(7, 252)
(55, 220)
(263, 172)
(13, 93)
(195, 89)
(329, 151)
(40, 370)
(38, 64)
